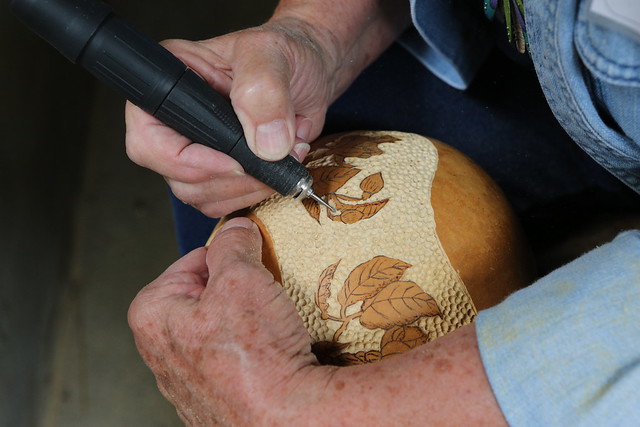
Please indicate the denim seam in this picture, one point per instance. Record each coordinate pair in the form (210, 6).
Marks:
(563, 100)
(594, 58)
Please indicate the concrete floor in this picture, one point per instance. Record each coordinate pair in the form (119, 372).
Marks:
(122, 240)
(83, 229)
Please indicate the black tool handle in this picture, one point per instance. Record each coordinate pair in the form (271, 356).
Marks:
(88, 33)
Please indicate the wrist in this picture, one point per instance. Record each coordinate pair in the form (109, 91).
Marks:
(311, 397)
(347, 34)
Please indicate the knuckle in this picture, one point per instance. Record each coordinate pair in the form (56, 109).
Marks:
(133, 150)
(213, 210)
(186, 193)
(138, 316)
(241, 272)
(173, 45)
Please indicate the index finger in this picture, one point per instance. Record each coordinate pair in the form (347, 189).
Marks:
(154, 145)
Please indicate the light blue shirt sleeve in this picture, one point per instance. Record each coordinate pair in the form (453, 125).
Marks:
(449, 38)
(566, 350)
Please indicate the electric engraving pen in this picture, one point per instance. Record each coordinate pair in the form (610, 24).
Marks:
(87, 32)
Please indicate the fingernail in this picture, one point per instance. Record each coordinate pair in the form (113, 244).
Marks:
(239, 222)
(304, 130)
(272, 140)
(301, 150)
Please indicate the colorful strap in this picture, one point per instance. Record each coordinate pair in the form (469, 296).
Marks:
(512, 13)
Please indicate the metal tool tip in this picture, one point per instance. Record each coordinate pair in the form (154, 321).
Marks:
(319, 200)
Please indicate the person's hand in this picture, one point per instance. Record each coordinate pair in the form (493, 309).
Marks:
(223, 339)
(281, 78)
(277, 77)
(227, 347)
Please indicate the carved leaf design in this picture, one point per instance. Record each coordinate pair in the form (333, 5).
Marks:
(368, 278)
(333, 198)
(336, 199)
(356, 213)
(324, 289)
(371, 185)
(346, 198)
(351, 216)
(316, 153)
(400, 339)
(379, 139)
(361, 146)
(328, 179)
(359, 358)
(363, 150)
(399, 303)
(313, 208)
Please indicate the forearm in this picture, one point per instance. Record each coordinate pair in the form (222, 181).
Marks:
(439, 383)
(352, 33)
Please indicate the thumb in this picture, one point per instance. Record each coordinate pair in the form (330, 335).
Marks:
(239, 282)
(234, 257)
(246, 295)
(262, 100)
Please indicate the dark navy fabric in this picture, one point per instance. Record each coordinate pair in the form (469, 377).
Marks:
(192, 227)
(502, 121)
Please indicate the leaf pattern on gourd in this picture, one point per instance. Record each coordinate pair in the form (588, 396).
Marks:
(359, 358)
(324, 290)
(388, 303)
(371, 185)
(368, 278)
(356, 213)
(313, 208)
(328, 179)
(399, 303)
(351, 145)
(400, 339)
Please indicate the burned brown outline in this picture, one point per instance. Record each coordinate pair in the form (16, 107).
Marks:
(329, 179)
(365, 283)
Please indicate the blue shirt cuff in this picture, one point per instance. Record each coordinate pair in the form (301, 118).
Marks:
(565, 351)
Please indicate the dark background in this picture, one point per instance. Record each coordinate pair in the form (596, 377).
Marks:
(82, 228)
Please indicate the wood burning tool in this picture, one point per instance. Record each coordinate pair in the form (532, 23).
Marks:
(87, 32)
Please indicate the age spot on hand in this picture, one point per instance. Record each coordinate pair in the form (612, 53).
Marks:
(443, 365)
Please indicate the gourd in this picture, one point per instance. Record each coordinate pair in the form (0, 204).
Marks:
(420, 240)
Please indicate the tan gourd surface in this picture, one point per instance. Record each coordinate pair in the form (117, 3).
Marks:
(422, 240)
(478, 229)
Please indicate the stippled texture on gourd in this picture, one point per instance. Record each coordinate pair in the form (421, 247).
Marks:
(372, 279)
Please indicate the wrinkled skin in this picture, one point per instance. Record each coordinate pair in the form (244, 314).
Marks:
(201, 329)
(227, 347)
(257, 80)
(280, 78)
